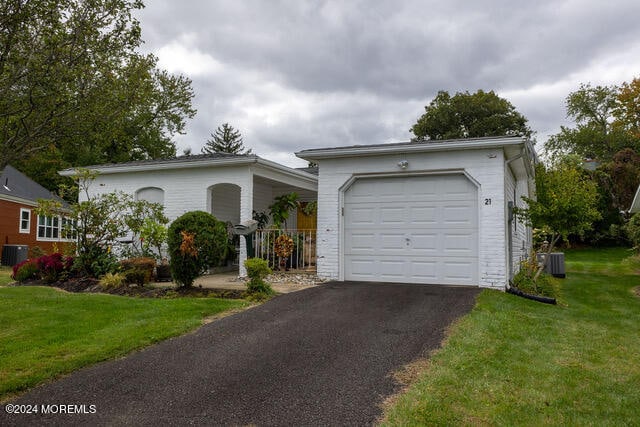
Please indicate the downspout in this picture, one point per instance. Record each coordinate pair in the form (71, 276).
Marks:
(510, 206)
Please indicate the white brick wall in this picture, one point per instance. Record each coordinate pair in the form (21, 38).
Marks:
(485, 166)
(188, 190)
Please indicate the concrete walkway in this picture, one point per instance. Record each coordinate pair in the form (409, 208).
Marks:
(231, 281)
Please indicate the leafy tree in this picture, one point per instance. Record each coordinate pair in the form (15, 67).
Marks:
(197, 240)
(622, 177)
(226, 139)
(466, 115)
(74, 90)
(627, 112)
(597, 134)
(100, 220)
(281, 208)
(565, 204)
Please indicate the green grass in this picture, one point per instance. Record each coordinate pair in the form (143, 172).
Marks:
(46, 333)
(517, 362)
(5, 275)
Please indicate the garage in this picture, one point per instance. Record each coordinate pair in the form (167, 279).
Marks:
(412, 229)
(424, 211)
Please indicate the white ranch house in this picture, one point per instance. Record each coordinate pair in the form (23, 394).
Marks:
(230, 187)
(434, 212)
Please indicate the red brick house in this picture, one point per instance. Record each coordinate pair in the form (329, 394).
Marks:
(19, 223)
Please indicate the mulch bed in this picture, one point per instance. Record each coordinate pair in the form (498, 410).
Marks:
(90, 285)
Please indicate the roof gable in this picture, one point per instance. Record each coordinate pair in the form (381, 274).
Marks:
(15, 184)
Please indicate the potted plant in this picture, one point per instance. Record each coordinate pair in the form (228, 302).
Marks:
(283, 247)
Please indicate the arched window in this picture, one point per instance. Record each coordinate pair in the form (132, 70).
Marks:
(151, 194)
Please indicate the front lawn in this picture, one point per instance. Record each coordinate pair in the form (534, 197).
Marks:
(513, 361)
(5, 275)
(45, 332)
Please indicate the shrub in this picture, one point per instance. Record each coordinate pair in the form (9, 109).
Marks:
(633, 231)
(96, 261)
(137, 276)
(36, 252)
(52, 267)
(257, 270)
(26, 270)
(146, 265)
(112, 280)
(546, 285)
(197, 240)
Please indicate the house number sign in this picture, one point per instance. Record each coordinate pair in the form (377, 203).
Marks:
(487, 201)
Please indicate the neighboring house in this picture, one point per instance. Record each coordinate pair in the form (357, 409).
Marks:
(229, 186)
(424, 212)
(19, 223)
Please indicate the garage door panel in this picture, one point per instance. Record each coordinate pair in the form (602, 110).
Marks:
(360, 242)
(391, 215)
(392, 270)
(457, 244)
(361, 269)
(419, 229)
(360, 216)
(393, 242)
(424, 270)
(458, 271)
(425, 243)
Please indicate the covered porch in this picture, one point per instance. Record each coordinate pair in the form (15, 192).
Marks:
(238, 201)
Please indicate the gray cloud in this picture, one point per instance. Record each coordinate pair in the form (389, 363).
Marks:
(294, 75)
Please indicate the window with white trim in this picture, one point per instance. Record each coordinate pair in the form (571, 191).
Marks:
(25, 220)
(55, 228)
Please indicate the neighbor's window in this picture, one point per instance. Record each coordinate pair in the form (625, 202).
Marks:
(25, 220)
(68, 230)
(55, 228)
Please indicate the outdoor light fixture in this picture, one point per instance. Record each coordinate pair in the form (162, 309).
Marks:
(403, 164)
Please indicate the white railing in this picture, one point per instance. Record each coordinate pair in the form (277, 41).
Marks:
(303, 256)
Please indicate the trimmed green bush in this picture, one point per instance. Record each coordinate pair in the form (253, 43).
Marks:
(257, 270)
(546, 285)
(112, 280)
(137, 276)
(138, 270)
(197, 240)
(26, 270)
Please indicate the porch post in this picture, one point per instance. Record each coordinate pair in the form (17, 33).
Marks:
(246, 213)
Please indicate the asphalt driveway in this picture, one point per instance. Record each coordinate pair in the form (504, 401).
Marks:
(321, 356)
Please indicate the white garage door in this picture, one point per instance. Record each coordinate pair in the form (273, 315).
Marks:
(420, 229)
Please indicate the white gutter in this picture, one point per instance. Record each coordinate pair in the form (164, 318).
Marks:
(162, 165)
(408, 147)
(192, 164)
(288, 171)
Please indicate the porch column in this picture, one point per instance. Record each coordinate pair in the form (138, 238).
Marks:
(246, 214)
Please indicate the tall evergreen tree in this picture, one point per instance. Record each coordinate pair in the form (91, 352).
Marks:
(226, 139)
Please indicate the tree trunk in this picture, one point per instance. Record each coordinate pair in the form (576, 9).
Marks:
(554, 240)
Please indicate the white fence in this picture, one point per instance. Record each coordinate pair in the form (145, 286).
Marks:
(303, 256)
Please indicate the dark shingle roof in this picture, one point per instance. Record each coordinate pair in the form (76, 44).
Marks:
(15, 183)
(312, 171)
(178, 159)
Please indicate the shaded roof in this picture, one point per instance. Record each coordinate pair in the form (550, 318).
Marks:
(178, 159)
(14, 183)
(312, 171)
(436, 144)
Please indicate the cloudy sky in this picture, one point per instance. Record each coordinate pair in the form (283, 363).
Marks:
(292, 75)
